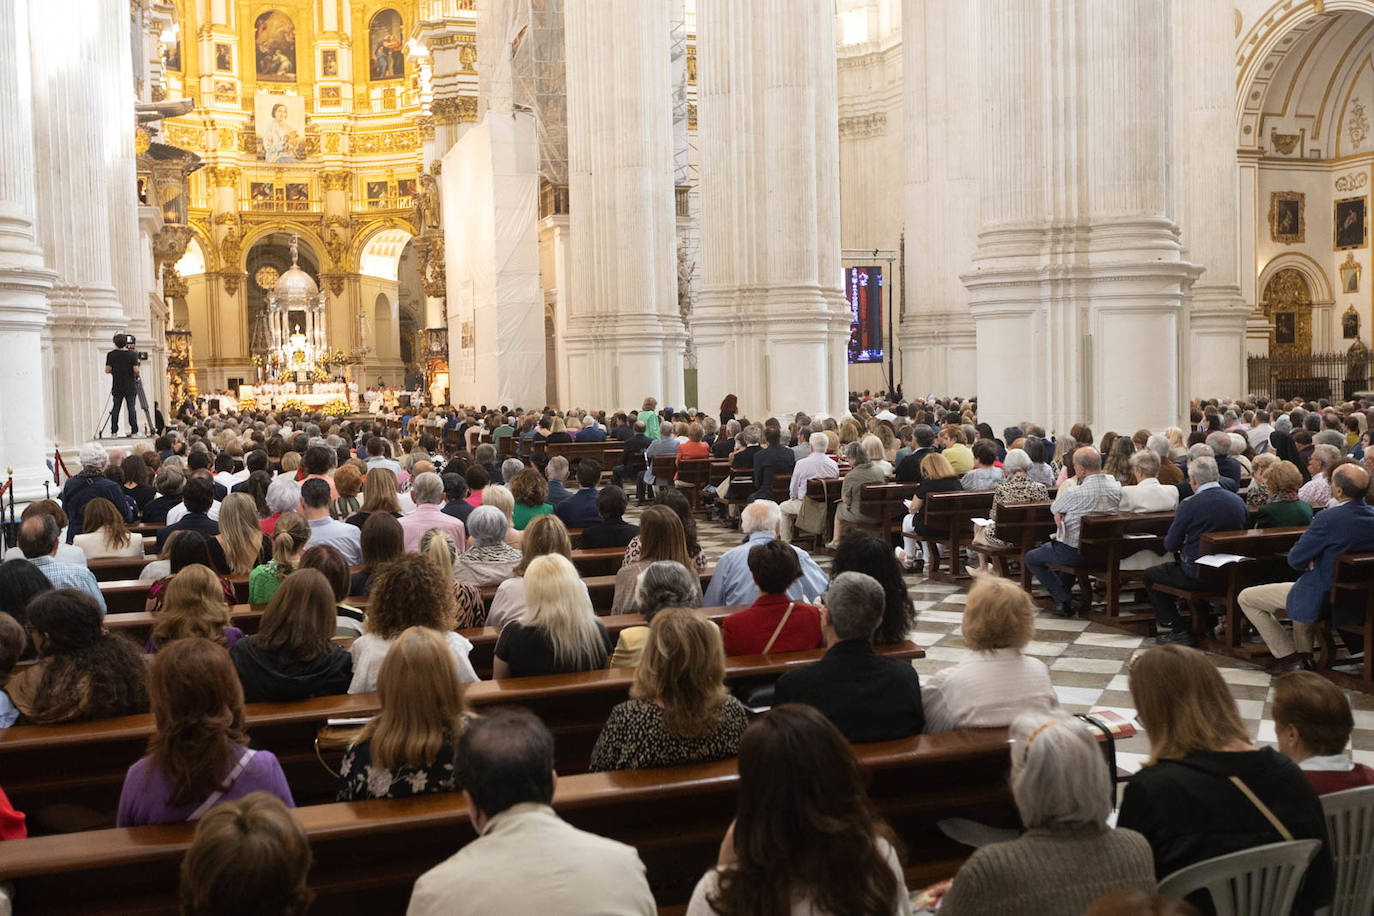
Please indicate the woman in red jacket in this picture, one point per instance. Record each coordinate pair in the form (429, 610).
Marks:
(773, 623)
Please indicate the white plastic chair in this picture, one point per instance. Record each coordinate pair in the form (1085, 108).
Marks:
(1350, 833)
(1261, 881)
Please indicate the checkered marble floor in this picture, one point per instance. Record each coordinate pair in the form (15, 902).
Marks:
(1087, 661)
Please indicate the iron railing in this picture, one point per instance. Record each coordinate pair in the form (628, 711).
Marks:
(1311, 376)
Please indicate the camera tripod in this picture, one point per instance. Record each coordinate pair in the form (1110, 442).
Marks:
(103, 421)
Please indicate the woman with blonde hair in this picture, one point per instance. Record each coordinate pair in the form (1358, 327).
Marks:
(545, 535)
(379, 495)
(411, 747)
(560, 632)
(679, 710)
(437, 546)
(104, 534)
(408, 592)
(889, 440)
(1206, 790)
(877, 454)
(996, 682)
(194, 605)
(661, 537)
(240, 545)
(937, 476)
(288, 543)
(850, 431)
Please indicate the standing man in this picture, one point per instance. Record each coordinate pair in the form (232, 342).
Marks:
(121, 364)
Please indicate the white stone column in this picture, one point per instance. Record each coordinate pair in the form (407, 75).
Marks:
(625, 338)
(24, 280)
(116, 88)
(941, 110)
(1208, 178)
(1078, 286)
(74, 151)
(770, 322)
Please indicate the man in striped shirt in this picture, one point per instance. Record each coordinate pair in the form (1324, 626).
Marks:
(1095, 494)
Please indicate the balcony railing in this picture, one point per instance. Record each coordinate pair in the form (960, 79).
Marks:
(1311, 376)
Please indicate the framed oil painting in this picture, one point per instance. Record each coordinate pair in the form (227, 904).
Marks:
(1287, 217)
(1352, 225)
(1285, 327)
(1350, 274)
(387, 60)
(224, 58)
(280, 124)
(329, 62)
(274, 43)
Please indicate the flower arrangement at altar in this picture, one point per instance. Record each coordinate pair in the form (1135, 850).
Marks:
(286, 375)
(248, 402)
(320, 375)
(337, 408)
(293, 404)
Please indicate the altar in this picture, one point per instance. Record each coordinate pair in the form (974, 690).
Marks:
(316, 395)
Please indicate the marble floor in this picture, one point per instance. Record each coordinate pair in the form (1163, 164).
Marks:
(1087, 661)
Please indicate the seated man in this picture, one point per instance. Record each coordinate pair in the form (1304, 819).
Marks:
(526, 859)
(909, 466)
(1312, 722)
(197, 498)
(610, 529)
(632, 461)
(557, 471)
(341, 535)
(732, 582)
(428, 493)
(665, 444)
(1096, 494)
(867, 696)
(1210, 508)
(1346, 525)
(1317, 491)
(579, 509)
(1228, 467)
(774, 458)
(817, 464)
(1146, 494)
(38, 539)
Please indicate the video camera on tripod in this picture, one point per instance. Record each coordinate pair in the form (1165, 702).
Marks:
(127, 342)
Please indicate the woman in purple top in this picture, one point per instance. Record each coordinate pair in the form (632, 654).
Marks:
(199, 756)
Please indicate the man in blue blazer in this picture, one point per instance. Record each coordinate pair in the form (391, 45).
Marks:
(1346, 526)
(1210, 508)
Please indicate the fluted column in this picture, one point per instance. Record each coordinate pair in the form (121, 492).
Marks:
(624, 336)
(116, 88)
(24, 280)
(1207, 191)
(74, 140)
(941, 105)
(1078, 285)
(770, 322)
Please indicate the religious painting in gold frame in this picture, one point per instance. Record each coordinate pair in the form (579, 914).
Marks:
(1351, 228)
(1350, 274)
(1288, 217)
(1287, 304)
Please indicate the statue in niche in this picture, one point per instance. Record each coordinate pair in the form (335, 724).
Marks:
(1350, 324)
(685, 268)
(428, 201)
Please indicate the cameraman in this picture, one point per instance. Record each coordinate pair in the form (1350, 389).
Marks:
(121, 364)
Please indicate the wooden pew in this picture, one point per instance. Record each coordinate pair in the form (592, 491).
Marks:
(1352, 589)
(693, 477)
(1103, 542)
(126, 595)
(827, 492)
(949, 518)
(674, 816)
(1258, 546)
(84, 763)
(575, 452)
(110, 569)
(1024, 526)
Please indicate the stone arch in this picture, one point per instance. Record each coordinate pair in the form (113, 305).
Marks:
(363, 237)
(308, 237)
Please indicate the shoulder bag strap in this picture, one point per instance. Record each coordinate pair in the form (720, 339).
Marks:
(1263, 808)
(781, 623)
(215, 796)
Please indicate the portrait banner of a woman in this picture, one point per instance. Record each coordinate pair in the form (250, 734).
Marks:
(280, 125)
(387, 60)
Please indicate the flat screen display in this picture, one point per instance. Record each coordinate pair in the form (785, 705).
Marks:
(863, 290)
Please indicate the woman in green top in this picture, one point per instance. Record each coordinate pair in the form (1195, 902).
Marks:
(529, 490)
(1284, 508)
(288, 543)
(649, 418)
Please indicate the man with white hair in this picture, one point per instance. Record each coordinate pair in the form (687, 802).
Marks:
(591, 431)
(1220, 444)
(90, 484)
(509, 468)
(1210, 508)
(1317, 491)
(732, 582)
(1258, 435)
(428, 492)
(557, 471)
(815, 465)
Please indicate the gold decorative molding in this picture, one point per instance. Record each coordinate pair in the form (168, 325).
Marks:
(142, 140)
(334, 281)
(425, 124)
(173, 286)
(184, 136)
(388, 141)
(170, 244)
(467, 109)
(1352, 182)
(223, 176)
(1358, 125)
(231, 247)
(445, 110)
(430, 251)
(335, 180)
(1287, 217)
(1286, 143)
(427, 202)
(691, 117)
(232, 279)
(692, 65)
(467, 56)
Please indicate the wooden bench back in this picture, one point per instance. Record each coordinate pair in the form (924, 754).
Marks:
(945, 511)
(1103, 539)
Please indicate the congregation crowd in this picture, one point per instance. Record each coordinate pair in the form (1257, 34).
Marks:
(384, 535)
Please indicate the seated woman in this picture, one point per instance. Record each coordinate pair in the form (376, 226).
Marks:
(329, 562)
(240, 546)
(83, 672)
(180, 550)
(1016, 489)
(695, 446)
(291, 656)
(530, 491)
(985, 474)
(489, 560)
(1257, 494)
(199, 755)
(805, 838)
(679, 710)
(283, 496)
(1313, 722)
(673, 499)
(877, 453)
(477, 479)
(20, 582)
(499, 497)
(661, 585)
(559, 633)
(862, 470)
(406, 593)
(545, 535)
(773, 623)
(247, 856)
(937, 476)
(104, 534)
(660, 538)
(612, 530)
(996, 682)
(194, 607)
(469, 610)
(289, 538)
(138, 481)
(348, 481)
(383, 541)
(1283, 480)
(379, 496)
(862, 552)
(1206, 789)
(411, 746)
(1067, 857)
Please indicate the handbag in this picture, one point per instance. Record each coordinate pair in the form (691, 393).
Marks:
(768, 646)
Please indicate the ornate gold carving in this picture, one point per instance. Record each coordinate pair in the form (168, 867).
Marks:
(173, 286)
(223, 176)
(142, 140)
(228, 218)
(335, 180)
(445, 110)
(1352, 182)
(1350, 274)
(467, 109)
(1358, 125)
(170, 244)
(1287, 306)
(248, 141)
(426, 125)
(232, 279)
(427, 202)
(183, 136)
(228, 139)
(335, 282)
(1287, 217)
(266, 277)
(467, 56)
(692, 65)
(691, 117)
(1284, 143)
(158, 93)
(333, 220)
(430, 251)
(390, 141)
(337, 247)
(231, 247)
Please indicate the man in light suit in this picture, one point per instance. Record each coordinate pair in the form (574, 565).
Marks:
(1346, 526)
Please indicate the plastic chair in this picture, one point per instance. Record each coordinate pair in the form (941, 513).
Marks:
(1261, 881)
(1350, 833)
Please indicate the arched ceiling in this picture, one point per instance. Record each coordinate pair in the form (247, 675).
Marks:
(382, 253)
(1312, 96)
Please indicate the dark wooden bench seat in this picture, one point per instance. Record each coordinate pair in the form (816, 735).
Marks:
(1024, 526)
(1103, 542)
